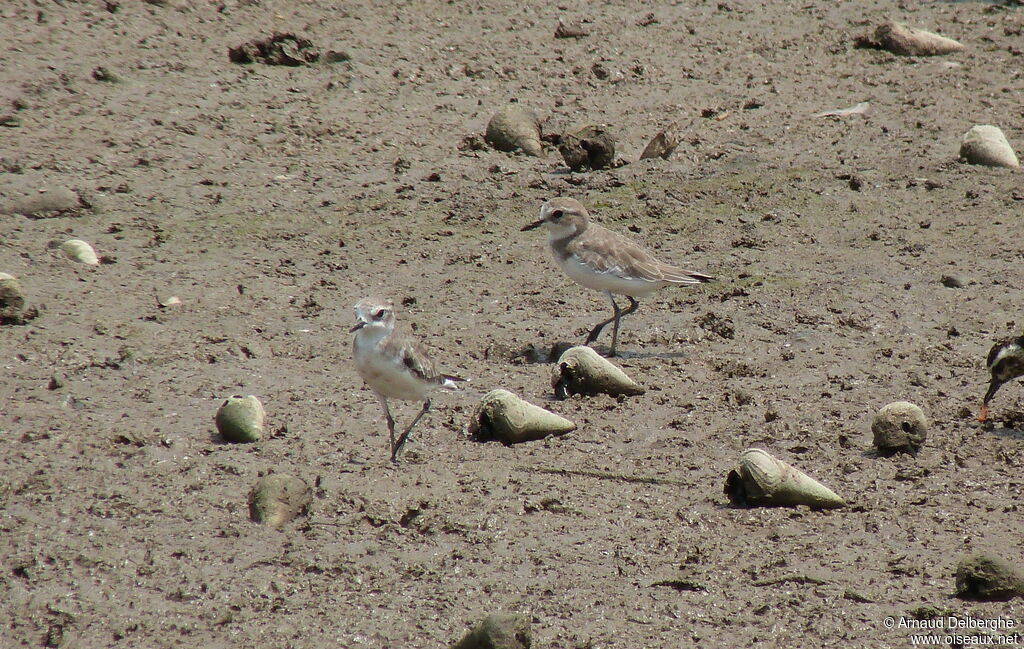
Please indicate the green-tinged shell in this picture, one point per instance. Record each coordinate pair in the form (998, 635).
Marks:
(498, 631)
(762, 480)
(240, 419)
(899, 427)
(80, 251)
(985, 144)
(277, 499)
(581, 370)
(988, 577)
(505, 417)
(515, 128)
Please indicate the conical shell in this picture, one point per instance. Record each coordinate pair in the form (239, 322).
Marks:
(581, 370)
(514, 128)
(278, 498)
(985, 144)
(505, 417)
(901, 39)
(240, 419)
(762, 480)
(80, 251)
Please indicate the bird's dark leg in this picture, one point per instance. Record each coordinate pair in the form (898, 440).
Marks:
(596, 331)
(633, 305)
(391, 422)
(993, 387)
(405, 435)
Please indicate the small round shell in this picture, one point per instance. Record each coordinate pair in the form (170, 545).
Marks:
(80, 251)
(240, 419)
(899, 427)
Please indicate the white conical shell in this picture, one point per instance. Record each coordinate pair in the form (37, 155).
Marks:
(503, 416)
(766, 480)
(581, 370)
(902, 39)
(985, 144)
(80, 251)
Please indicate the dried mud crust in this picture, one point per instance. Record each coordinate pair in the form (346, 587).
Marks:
(269, 199)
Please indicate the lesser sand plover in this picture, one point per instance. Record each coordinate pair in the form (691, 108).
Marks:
(393, 365)
(1005, 363)
(603, 260)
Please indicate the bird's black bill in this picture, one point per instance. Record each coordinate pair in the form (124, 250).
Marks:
(359, 325)
(532, 226)
(993, 387)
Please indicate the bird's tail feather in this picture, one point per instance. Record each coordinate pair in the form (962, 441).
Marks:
(450, 382)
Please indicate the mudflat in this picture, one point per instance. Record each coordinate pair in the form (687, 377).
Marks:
(858, 263)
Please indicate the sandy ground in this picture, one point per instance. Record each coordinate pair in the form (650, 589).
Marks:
(270, 198)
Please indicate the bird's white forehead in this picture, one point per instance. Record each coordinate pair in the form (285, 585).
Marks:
(371, 305)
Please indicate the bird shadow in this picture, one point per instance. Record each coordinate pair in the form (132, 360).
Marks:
(1009, 433)
(1011, 425)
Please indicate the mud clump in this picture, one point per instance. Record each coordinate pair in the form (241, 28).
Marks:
(277, 49)
(278, 498)
(498, 631)
(587, 147)
(45, 202)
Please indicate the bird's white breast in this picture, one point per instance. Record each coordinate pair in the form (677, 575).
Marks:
(384, 374)
(613, 279)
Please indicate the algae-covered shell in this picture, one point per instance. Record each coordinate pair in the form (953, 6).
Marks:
(278, 498)
(505, 417)
(80, 251)
(240, 419)
(515, 128)
(581, 370)
(987, 577)
(762, 480)
(985, 144)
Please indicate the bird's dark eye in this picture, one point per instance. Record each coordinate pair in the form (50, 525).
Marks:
(557, 214)
(380, 313)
